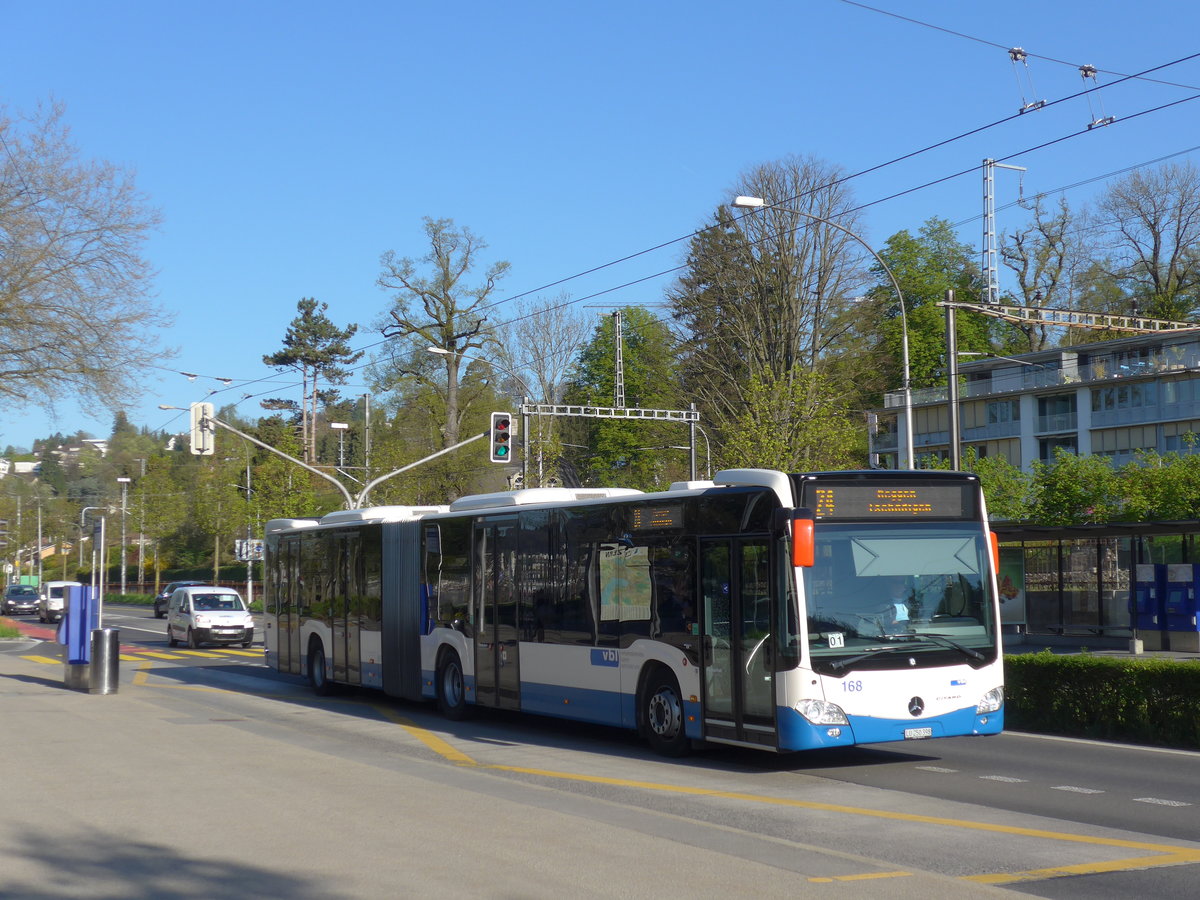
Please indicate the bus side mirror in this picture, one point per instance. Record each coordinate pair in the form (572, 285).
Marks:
(803, 553)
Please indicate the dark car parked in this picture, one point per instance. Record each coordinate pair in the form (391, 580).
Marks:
(19, 598)
(163, 597)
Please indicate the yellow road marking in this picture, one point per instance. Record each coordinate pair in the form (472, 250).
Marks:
(428, 738)
(141, 678)
(233, 652)
(43, 659)
(202, 653)
(125, 657)
(863, 877)
(157, 655)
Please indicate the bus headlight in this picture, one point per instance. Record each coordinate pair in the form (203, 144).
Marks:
(819, 712)
(991, 701)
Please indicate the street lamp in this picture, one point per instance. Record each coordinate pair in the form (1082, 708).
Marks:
(754, 203)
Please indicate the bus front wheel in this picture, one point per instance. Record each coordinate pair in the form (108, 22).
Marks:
(662, 716)
(452, 688)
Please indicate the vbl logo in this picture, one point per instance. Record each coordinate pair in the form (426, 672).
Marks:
(601, 657)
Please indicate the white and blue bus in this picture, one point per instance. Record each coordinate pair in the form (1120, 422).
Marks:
(761, 609)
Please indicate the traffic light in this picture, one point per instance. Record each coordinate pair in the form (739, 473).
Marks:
(203, 429)
(503, 429)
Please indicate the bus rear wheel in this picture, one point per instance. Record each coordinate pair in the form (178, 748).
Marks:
(318, 678)
(662, 716)
(451, 687)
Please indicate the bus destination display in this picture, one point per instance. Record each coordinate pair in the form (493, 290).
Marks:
(881, 501)
(648, 518)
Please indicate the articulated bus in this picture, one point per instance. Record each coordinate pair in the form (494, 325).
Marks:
(761, 609)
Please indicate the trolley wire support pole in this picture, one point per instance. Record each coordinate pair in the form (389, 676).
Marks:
(991, 287)
(952, 388)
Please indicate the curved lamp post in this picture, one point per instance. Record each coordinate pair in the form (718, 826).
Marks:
(759, 203)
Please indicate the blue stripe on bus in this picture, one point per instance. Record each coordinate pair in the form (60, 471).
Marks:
(797, 733)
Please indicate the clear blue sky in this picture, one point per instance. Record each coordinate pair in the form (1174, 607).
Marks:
(288, 145)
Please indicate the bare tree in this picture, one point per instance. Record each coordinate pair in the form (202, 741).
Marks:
(766, 294)
(540, 342)
(75, 314)
(1155, 220)
(440, 309)
(1041, 256)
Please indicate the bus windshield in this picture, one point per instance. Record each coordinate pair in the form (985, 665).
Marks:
(919, 587)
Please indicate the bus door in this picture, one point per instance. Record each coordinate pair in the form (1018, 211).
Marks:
(287, 638)
(497, 669)
(738, 658)
(343, 607)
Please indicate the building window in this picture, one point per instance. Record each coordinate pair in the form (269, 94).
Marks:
(1124, 442)
(1181, 437)
(1057, 413)
(1048, 447)
(1003, 411)
(1124, 396)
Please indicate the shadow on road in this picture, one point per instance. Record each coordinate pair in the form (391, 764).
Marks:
(58, 864)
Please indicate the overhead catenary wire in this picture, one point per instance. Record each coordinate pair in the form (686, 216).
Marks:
(659, 274)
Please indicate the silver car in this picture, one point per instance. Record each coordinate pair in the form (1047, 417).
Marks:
(19, 598)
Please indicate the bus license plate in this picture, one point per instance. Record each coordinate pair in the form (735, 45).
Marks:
(916, 734)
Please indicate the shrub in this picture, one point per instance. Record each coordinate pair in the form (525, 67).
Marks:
(1136, 700)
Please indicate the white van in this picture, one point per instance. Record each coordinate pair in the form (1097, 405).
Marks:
(202, 613)
(52, 599)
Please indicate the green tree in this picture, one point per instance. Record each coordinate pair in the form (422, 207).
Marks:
(795, 424)
(320, 351)
(626, 452)
(926, 266)
(1006, 488)
(1075, 490)
(1158, 487)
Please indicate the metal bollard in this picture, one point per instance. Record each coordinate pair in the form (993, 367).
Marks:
(105, 662)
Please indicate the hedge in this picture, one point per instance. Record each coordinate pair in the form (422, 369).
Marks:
(1145, 701)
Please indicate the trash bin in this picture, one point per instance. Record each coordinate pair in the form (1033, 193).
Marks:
(105, 662)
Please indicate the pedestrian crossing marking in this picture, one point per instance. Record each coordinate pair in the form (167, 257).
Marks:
(141, 655)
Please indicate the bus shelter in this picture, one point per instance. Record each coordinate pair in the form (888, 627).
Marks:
(1120, 580)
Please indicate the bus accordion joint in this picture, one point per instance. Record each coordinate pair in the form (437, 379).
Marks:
(802, 538)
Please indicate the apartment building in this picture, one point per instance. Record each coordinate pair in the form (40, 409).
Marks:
(1111, 398)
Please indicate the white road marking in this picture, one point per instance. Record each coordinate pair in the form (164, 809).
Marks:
(1075, 790)
(1158, 802)
(1005, 779)
(938, 769)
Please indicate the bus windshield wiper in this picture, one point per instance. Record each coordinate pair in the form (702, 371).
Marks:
(941, 639)
(838, 664)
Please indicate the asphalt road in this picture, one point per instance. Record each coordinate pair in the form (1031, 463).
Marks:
(208, 775)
